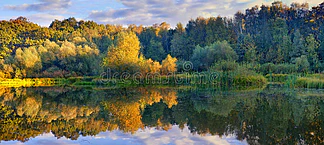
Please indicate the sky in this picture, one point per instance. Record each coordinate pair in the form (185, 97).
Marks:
(125, 12)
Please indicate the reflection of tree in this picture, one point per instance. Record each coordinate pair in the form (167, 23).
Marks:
(126, 110)
(71, 112)
(261, 117)
(170, 98)
(126, 115)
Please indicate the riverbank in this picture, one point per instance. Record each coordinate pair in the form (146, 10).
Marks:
(314, 81)
(219, 80)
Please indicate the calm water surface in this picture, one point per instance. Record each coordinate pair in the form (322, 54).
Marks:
(147, 115)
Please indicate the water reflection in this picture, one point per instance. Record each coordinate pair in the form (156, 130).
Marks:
(269, 116)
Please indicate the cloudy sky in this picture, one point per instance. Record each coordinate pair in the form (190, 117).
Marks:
(146, 12)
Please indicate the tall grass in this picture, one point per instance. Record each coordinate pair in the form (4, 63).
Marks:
(276, 77)
(310, 82)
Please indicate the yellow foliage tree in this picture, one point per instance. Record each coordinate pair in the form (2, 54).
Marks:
(154, 66)
(124, 55)
(169, 65)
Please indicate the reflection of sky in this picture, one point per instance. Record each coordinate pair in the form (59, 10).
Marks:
(148, 136)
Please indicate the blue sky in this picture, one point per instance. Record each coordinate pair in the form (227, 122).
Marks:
(124, 12)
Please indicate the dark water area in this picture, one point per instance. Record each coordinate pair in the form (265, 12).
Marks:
(155, 115)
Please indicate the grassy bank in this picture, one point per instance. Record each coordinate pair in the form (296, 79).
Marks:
(222, 79)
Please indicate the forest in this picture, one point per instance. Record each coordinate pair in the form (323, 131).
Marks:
(266, 39)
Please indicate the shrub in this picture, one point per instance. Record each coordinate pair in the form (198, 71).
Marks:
(224, 66)
(283, 68)
(204, 57)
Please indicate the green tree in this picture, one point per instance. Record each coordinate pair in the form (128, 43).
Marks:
(204, 57)
(155, 51)
(246, 48)
(181, 47)
(298, 46)
(302, 64)
(280, 48)
(312, 45)
(321, 46)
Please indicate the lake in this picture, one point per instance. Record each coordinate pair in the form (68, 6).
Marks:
(161, 115)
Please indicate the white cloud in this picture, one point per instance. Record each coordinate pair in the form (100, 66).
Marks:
(148, 12)
(59, 6)
(124, 12)
(44, 19)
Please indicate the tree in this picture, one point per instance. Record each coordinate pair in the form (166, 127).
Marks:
(302, 64)
(181, 47)
(222, 51)
(312, 45)
(204, 57)
(154, 66)
(251, 54)
(179, 28)
(28, 59)
(169, 65)
(298, 46)
(155, 51)
(321, 46)
(216, 30)
(124, 54)
(246, 48)
(280, 42)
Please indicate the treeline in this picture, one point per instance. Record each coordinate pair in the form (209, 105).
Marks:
(291, 37)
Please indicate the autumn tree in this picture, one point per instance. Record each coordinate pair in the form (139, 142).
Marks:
(124, 54)
(29, 60)
(169, 65)
(153, 66)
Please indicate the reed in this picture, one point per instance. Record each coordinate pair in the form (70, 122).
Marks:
(310, 82)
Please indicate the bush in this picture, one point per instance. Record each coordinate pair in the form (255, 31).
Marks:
(204, 57)
(302, 64)
(247, 81)
(283, 68)
(237, 75)
(277, 77)
(224, 66)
